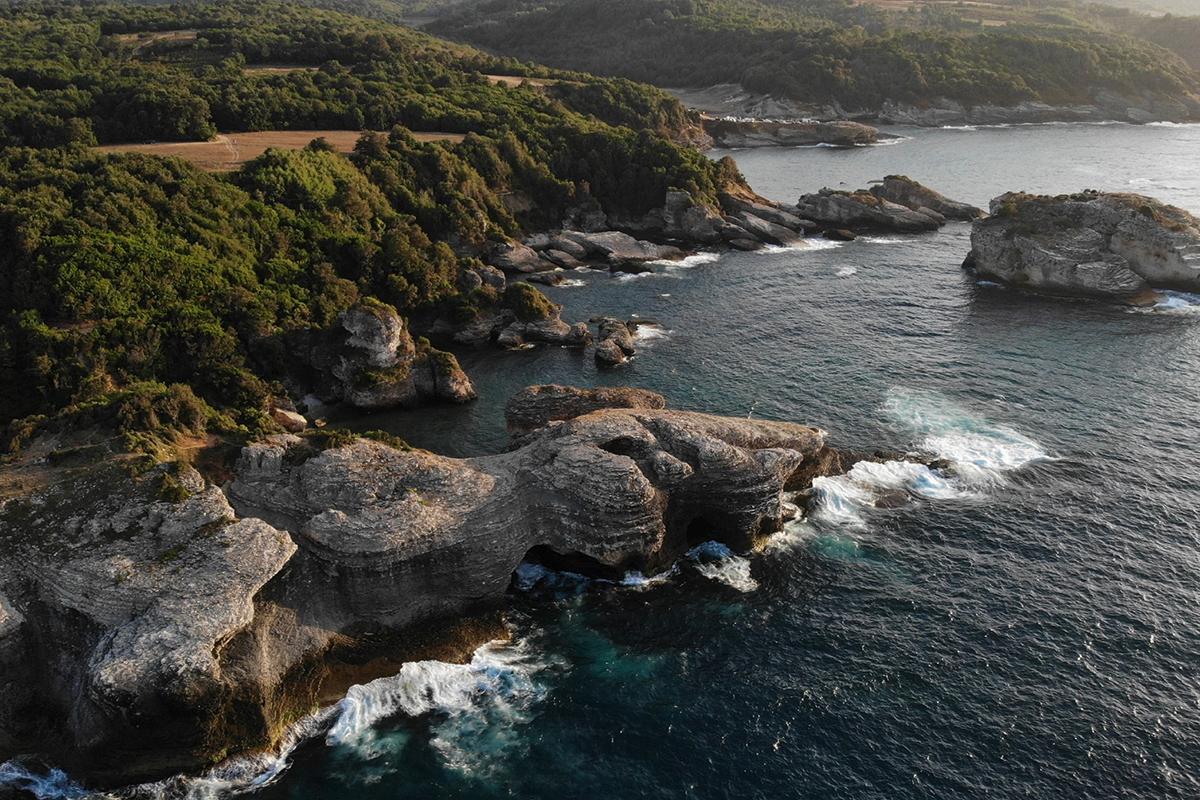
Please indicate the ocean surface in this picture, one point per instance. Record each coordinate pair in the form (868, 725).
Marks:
(1028, 626)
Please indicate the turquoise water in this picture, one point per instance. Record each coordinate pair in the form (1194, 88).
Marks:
(1028, 627)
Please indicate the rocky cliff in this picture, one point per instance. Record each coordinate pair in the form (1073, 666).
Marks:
(152, 622)
(1110, 246)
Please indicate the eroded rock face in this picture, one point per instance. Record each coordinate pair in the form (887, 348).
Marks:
(1111, 246)
(373, 363)
(125, 600)
(152, 625)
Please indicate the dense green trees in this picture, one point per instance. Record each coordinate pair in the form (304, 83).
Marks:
(130, 279)
(821, 51)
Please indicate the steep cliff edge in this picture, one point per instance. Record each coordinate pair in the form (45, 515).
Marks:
(152, 622)
(1116, 247)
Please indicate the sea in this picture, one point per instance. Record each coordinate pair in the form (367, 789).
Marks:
(1027, 626)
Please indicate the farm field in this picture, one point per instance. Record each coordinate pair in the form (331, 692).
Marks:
(228, 152)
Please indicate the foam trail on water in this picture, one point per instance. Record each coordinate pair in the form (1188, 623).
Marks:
(690, 261)
(716, 561)
(980, 453)
(958, 435)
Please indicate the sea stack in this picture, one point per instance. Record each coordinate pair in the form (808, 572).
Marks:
(1117, 247)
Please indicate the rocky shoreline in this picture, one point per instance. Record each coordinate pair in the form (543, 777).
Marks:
(155, 619)
(1105, 106)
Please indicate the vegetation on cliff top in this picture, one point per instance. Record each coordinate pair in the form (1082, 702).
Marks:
(821, 51)
(128, 270)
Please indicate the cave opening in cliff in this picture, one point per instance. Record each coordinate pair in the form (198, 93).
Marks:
(581, 564)
(700, 530)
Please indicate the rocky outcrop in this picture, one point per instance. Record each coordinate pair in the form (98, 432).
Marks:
(153, 624)
(904, 191)
(614, 344)
(1111, 246)
(370, 361)
(537, 406)
(732, 132)
(129, 591)
(734, 100)
(897, 203)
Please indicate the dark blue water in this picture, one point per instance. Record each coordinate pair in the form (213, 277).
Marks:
(1028, 627)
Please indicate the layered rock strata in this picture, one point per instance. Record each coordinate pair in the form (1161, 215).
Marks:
(1117, 247)
(154, 624)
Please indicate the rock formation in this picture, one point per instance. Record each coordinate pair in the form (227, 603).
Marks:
(904, 191)
(863, 210)
(537, 406)
(728, 132)
(1112, 246)
(151, 622)
(370, 361)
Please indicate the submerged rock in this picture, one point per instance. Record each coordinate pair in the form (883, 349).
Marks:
(1111, 246)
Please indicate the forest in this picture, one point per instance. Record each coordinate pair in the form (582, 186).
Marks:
(857, 55)
(136, 287)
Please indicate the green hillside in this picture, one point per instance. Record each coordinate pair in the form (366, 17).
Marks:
(126, 273)
(829, 50)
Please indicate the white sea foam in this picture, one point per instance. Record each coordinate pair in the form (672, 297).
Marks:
(49, 783)
(1172, 303)
(846, 272)
(980, 451)
(477, 706)
(689, 262)
(956, 434)
(636, 580)
(569, 282)
(651, 332)
(716, 561)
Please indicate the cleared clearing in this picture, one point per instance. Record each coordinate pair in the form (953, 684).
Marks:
(228, 152)
(516, 80)
(276, 69)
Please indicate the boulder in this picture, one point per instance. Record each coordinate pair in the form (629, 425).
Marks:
(518, 258)
(776, 213)
(290, 421)
(562, 258)
(614, 342)
(547, 278)
(840, 235)
(765, 231)
(685, 219)
(1112, 246)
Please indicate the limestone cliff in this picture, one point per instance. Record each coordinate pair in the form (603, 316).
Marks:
(151, 622)
(1111, 246)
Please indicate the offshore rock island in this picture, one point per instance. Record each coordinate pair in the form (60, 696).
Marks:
(1110, 246)
(168, 622)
